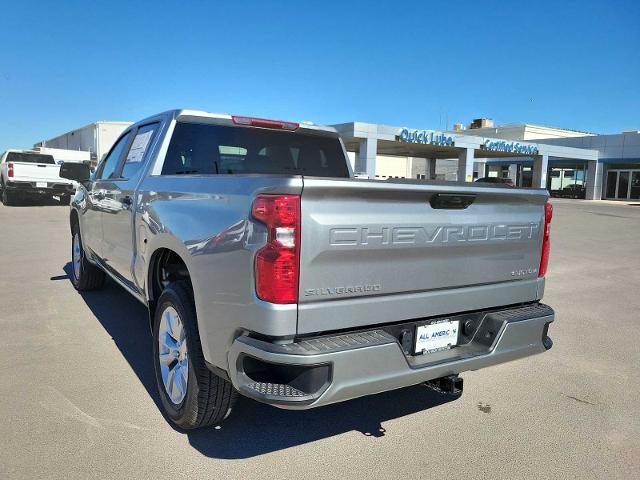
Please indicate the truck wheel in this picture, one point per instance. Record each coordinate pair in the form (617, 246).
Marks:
(192, 395)
(65, 199)
(84, 275)
(9, 198)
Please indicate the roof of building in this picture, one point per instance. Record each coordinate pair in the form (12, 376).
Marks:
(524, 125)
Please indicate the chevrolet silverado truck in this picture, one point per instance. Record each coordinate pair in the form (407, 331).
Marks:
(269, 271)
(25, 173)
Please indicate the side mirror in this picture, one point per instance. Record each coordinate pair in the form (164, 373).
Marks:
(75, 171)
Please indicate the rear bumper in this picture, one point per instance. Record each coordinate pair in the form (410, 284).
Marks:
(325, 370)
(52, 188)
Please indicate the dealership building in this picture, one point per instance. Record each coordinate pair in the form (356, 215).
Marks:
(618, 163)
(582, 163)
(591, 166)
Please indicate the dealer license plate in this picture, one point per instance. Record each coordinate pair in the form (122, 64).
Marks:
(41, 184)
(436, 336)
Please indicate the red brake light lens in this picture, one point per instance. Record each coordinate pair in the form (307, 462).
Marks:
(10, 169)
(277, 264)
(546, 244)
(277, 210)
(264, 123)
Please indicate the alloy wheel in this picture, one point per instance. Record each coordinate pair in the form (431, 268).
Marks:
(173, 355)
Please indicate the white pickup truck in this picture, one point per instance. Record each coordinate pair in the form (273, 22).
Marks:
(25, 173)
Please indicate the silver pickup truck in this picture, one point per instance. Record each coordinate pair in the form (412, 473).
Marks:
(269, 271)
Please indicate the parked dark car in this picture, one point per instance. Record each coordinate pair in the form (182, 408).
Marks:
(573, 191)
(503, 181)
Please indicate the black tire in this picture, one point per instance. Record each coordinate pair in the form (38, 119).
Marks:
(65, 199)
(87, 276)
(209, 398)
(9, 198)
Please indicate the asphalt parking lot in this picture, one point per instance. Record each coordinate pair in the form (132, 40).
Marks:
(77, 395)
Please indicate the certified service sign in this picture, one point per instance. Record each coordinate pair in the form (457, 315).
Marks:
(509, 147)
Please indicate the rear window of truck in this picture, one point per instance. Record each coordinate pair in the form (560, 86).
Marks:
(30, 158)
(200, 149)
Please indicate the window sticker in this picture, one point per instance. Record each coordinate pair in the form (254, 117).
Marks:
(139, 146)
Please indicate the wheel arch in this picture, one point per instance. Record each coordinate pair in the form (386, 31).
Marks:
(74, 219)
(165, 265)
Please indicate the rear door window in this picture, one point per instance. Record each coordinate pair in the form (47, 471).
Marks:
(30, 158)
(139, 147)
(109, 166)
(200, 149)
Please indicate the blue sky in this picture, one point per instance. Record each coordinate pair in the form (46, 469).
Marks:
(415, 64)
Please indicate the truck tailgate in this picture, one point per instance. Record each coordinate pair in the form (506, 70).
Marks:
(376, 252)
(37, 172)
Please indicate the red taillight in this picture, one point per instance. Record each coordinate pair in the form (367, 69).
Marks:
(10, 169)
(264, 123)
(546, 245)
(278, 262)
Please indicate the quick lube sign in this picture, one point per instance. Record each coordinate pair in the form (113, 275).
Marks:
(426, 137)
(509, 147)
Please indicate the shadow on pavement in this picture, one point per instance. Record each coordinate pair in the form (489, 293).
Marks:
(35, 201)
(253, 428)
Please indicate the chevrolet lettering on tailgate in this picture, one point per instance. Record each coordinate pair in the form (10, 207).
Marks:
(390, 235)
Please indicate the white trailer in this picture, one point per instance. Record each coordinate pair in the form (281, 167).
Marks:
(61, 155)
(96, 138)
